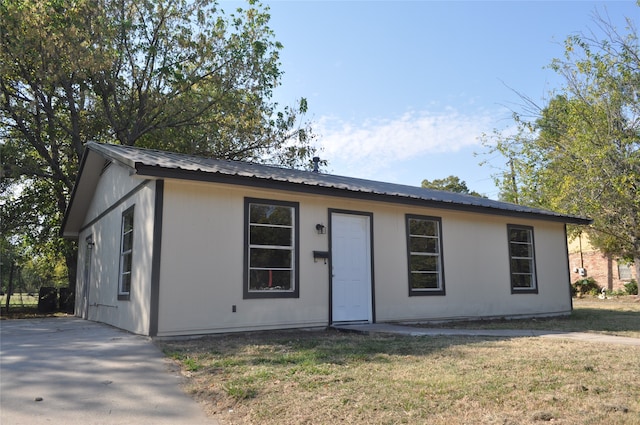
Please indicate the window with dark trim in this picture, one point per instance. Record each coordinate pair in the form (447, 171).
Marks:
(126, 255)
(424, 248)
(522, 263)
(624, 271)
(271, 249)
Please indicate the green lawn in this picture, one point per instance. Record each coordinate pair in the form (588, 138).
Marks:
(20, 300)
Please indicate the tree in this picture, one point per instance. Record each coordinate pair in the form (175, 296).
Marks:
(450, 184)
(177, 75)
(581, 152)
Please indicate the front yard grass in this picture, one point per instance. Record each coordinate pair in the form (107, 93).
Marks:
(327, 377)
(614, 316)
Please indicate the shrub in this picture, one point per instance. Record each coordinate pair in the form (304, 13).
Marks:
(584, 286)
(631, 287)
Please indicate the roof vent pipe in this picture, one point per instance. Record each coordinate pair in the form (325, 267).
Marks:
(316, 161)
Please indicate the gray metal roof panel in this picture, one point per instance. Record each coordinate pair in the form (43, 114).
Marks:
(136, 157)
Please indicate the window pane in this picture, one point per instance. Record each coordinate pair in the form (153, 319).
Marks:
(429, 245)
(424, 263)
(522, 280)
(127, 242)
(271, 214)
(126, 263)
(521, 250)
(125, 286)
(270, 254)
(522, 257)
(127, 222)
(275, 236)
(425, 258)
(521, 266)
(425, 281)
(261, 280)
(520, 235)
(624, 272)
(126, 248)
(423, 227)
(266, 258)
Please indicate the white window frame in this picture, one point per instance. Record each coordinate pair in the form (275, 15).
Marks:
(624, 271)
(437, 221)
(293, 291)
(124, 253)
(533, 289)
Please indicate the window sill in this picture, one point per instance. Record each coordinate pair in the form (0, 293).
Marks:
(270, 294)
(439, 292)
(524, 291)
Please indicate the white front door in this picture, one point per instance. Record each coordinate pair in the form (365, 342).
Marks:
(351, 268)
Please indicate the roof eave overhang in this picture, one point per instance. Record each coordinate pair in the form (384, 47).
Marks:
(66, 230)
(267, 183)
(91, 167)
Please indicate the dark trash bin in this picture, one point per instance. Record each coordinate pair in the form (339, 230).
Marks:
(47, 299)
(67, 300)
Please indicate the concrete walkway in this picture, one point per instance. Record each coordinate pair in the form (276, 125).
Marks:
(505, 333)
(72, 371)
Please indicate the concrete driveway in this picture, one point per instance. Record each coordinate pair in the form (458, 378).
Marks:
(72, 371)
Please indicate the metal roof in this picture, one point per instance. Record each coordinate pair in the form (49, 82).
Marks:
(160, 164)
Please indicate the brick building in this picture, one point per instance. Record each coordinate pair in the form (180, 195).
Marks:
(586, 261)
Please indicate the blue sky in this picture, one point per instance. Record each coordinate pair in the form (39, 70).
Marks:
(401, 91)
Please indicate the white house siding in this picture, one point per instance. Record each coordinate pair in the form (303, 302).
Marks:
(202, 264)
(114, 184)
(476, 269)
(104, 306)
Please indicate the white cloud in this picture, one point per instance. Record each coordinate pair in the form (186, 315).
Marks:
(382, 142)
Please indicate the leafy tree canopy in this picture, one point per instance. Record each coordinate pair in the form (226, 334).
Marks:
(580, 153)
(179, 75)
(450, 184)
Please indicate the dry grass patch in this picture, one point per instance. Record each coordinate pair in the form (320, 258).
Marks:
(615, 316)
(330, 377)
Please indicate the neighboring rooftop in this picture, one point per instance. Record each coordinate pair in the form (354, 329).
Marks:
(160, 164)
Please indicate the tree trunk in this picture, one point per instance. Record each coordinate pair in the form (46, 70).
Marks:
(636, 261)
(10, 286)
(71, 260)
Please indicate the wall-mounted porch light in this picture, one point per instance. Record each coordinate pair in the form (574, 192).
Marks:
(321, 229)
